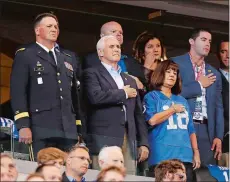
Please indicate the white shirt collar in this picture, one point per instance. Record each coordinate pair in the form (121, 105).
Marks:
(45, 48)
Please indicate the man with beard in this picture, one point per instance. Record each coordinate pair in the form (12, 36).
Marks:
(202, 86)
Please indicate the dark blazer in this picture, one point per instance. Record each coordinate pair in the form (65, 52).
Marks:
(133, 66)
(106, 116)
(64, 178)
(191, 89)
(41, 92)
(225, 96)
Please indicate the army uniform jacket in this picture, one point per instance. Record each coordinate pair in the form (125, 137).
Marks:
(44, 94)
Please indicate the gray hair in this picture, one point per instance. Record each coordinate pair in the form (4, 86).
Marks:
(105, 151)
(101, 42)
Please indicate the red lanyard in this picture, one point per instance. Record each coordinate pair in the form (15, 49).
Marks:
(197, 70)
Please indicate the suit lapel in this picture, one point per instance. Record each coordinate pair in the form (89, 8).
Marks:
(208, 89)
(191, 74)
(125, 79)
(103, 71)
(60, 58)
(225, 82)
(44, 55)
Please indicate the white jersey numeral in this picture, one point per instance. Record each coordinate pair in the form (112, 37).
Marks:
(179, 116)
(225, 175)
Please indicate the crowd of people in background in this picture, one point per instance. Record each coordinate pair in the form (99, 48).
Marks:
(116, 112)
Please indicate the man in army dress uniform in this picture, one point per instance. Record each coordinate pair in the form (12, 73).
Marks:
(44, 93)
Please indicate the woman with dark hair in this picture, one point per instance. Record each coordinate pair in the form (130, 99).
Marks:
(171, 130)
(149, 50)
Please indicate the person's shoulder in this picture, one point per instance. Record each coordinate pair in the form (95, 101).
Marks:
(151, 95)
(130, 58)
(211, 69)
(25, 48)
(90, 70)
(179, 58)
(66, 52)
(91, 55)
(181, 98)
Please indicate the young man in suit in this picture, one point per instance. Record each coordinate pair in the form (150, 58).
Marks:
(127, 64)
(201, 86)
(223, 55)
(114, 108)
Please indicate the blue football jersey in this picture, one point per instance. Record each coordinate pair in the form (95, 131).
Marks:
(171, 138)
(219, 173)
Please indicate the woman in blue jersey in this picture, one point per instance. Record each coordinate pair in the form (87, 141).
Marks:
(171, 130)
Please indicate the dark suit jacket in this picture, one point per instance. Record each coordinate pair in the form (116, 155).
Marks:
(106, 116)
(133, 66)
(64, 178)
(225, 96)
(191, 89)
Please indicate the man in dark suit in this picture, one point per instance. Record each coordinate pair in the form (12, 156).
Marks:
(44, 90)
(114, 108)
(127, 64)
(223, 55)
(201, 86)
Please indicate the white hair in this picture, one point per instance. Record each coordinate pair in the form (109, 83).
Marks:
(101, 42)
(105, 151)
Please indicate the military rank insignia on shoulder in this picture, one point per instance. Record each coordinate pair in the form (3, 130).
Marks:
(21, 49)
(67, 54)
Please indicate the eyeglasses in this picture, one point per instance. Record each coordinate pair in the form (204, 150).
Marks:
(82, 158)
(181, 176)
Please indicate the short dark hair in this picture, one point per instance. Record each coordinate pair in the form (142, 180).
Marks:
(219, 46)
(78, 146)
(196, 32)
(39, 18)
(141, 41)
(158, 76)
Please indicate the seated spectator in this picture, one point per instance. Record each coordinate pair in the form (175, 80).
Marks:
(9, 171)
(148, 50)
(171, 129)
(35, 177)
(50, 172)
(51, 155)
(77, 163)
(170, 170)
(111, 173)
(111, 156)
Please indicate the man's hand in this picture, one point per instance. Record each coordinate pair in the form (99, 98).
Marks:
(217, 146)
(196, 160)
(207, 80)
(138, 82)
(25, 135)
(143, 153)
(131, 92)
